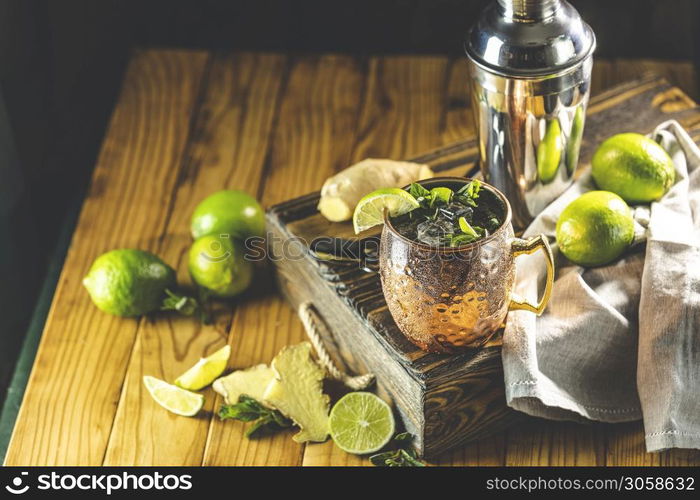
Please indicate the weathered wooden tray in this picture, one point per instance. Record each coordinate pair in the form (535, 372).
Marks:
(444, 400)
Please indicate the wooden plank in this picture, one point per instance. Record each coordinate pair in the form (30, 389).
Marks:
(226, 150)
(71, 399)
(554, 443)
(159, 158)
(457, 122)
(404, 109)
(610, 72)
(313, 137)
(486, 452)
(625, 446)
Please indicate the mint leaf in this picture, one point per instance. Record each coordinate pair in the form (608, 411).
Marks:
(403, 456)
(265, 420)
(187, 306)
(421, 194)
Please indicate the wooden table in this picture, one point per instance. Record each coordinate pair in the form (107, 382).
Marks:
(187, 124)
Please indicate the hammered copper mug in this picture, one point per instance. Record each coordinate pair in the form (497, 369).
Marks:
(445, 299)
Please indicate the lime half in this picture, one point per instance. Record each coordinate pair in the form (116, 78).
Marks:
(361, 423)
(172, 398)
(369, 211)
(205, 371)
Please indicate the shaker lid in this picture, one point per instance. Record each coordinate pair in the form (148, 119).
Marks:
(529, 37)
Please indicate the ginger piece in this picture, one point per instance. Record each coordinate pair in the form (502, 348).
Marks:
(297, 392)
(250, 382)
(340, 193)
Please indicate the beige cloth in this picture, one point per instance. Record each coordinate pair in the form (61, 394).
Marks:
(618, 342)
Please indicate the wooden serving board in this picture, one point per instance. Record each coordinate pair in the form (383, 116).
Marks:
(444, 400)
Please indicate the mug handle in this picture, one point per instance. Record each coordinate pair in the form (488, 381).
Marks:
(530, 246)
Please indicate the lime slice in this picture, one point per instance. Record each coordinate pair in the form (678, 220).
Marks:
(172, 398)
(205, 371)
(361, 423)
(369, 211)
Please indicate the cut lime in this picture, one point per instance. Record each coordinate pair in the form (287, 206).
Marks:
(369, 211)
(172, 398)
(205, 371)
(361, 423)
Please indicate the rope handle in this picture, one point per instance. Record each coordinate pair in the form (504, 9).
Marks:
(309, 317)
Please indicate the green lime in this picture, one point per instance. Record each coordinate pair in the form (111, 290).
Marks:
(595, 228)
(205, 371)
(217, 264)
(574, 145)
(229, 212)
(128, 282)
(369, 211)
(173, 398)
(633, 166)
(361, 423)
(549, 152)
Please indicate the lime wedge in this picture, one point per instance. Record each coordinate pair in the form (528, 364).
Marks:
(205, 371)
(361, 423)
(369, 211)
(172, 398)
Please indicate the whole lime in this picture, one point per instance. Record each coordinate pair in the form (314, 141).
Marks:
(634, 167)
(229, 212)
(128, 282)
(217, 264)
(595, 228)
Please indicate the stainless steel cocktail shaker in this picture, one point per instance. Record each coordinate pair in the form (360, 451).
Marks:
(530, 70)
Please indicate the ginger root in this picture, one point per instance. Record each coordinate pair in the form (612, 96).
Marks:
(297, 392)
(250, 382)
(340, 193)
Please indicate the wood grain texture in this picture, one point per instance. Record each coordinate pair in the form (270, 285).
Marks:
(312, 138)
(71, 399)
(190, 123)
(226, 149)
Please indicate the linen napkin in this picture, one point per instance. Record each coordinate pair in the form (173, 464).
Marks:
(619, 342)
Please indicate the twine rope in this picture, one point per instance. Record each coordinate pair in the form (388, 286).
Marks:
(309, 319)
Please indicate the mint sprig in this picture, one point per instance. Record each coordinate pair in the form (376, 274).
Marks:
(185, 305)
(265, 420)
(403, 456)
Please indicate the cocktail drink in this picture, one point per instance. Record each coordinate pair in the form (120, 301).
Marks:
(447, 267)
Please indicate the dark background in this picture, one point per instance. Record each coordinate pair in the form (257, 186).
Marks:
(61, 63)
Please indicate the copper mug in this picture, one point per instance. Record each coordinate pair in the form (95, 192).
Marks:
(446, 299)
